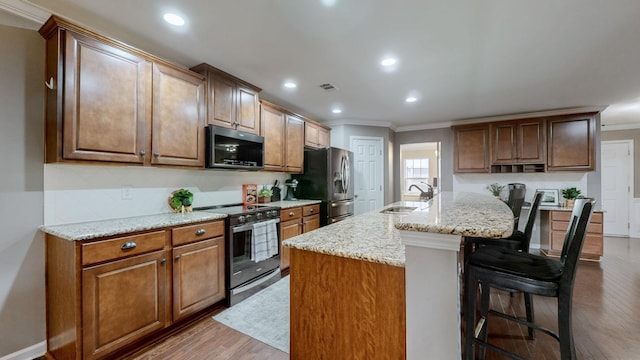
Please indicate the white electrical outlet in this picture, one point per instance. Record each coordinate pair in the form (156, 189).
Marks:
(126, 193)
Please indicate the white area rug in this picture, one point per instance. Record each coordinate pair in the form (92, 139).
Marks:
(263, 316)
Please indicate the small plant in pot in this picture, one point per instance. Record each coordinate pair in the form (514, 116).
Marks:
(495, 189)
(181, 200)
(264, 195)
(571, 194)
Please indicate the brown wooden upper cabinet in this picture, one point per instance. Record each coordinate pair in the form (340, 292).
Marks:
(283, 135)
(471, 148)
(110, 102)
(231, 102)
(571, 142)
(316, 136)
(518, 142)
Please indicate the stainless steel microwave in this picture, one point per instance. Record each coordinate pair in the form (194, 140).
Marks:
(233, 149)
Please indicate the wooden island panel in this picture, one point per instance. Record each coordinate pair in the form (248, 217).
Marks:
(346, 308)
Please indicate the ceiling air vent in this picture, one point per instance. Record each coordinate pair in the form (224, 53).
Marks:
(328, 87)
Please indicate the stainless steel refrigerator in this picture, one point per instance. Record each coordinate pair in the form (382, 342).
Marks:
(328, 176)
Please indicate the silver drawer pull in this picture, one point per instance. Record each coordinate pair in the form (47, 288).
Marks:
(128, 245)
(291, 213)
(200, 231)
(311, 210)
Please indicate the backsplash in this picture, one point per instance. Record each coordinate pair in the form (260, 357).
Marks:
(78, 193)
(478, 182)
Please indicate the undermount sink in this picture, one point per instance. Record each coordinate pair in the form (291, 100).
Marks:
(398, 210)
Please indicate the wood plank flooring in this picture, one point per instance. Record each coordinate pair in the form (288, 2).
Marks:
(606, 319)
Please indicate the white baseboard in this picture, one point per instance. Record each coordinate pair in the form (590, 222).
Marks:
(31, 352)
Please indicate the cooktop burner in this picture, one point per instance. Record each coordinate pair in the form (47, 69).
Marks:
(239, 213)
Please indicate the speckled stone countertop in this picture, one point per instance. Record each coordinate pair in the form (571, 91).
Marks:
(375, 236)
(465, 214)
(287, 204)
(96, 229)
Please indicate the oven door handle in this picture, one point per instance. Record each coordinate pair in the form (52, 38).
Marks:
(239, 228)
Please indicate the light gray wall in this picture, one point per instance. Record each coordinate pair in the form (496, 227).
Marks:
(630, 134)
(341, 138)
(22, 304)
(445, 137)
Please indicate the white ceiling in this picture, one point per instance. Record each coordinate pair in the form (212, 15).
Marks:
(463, 59)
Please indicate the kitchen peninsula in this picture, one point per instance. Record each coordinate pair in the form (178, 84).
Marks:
(385, 283)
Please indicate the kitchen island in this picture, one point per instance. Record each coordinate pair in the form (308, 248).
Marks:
(356, 290)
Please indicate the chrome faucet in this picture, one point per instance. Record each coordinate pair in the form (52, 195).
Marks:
(424, 195)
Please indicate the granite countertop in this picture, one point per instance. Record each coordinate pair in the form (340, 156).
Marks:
(465, 214)
(287, 204)
(97, 229)
(375, 236)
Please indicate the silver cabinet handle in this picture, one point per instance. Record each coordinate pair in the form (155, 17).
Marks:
(291, 213)
(156, 154)
(311, 210)
(50, 84)
(177, 257)
(128, 245)
(200, 231)
(143, 153)
(163, 261)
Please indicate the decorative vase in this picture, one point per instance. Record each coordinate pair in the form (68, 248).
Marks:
(264, 199)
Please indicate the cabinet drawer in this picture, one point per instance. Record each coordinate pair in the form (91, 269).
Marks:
(292, 213)
(593, 244)
(99, 251)
(592, 228)
(596, 218)
(311, 210)
(191, 233)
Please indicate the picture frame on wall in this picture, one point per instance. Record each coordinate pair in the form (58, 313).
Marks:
(550, 197)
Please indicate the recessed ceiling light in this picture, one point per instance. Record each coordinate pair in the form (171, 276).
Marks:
(388, 61)
(336, 111)
(411, 99)
(290, 85)
(173, 19)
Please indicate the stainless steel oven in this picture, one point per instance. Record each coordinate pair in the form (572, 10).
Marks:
(251, 263)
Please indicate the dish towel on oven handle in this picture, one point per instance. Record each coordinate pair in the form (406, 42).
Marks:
(264, 240)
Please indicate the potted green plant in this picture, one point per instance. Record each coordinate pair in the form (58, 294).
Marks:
(571, 194)
(181, 200)
(495, 189)
(264, 195)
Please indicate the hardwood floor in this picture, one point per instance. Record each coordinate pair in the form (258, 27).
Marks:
(606, 310)
(606, 319)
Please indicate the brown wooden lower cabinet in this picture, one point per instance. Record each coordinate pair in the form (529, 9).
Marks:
(346, 309)
(106, 294)
(296, 221)
(553, 226)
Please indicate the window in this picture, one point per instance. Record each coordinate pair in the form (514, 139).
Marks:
(416, 171)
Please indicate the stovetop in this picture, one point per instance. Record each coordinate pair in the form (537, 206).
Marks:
(239, 213)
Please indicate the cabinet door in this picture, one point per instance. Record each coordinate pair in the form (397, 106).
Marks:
(247, 115)
(531, 141)
(310, 223)
(272, 130)
(310, 135)
(294, 154)
(571, 143)
(105, 98)
(122, 301)
(198, 276)
(471, 149)
(324, 137)
(288, 229)
(178, 117)
(503, 143)
(222, 101)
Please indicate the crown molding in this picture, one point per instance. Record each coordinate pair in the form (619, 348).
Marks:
(556, 112)
(613, 127)
(26, 10)
(339, 122)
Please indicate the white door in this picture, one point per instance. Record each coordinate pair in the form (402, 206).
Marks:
(367, 159)
(616, 186)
